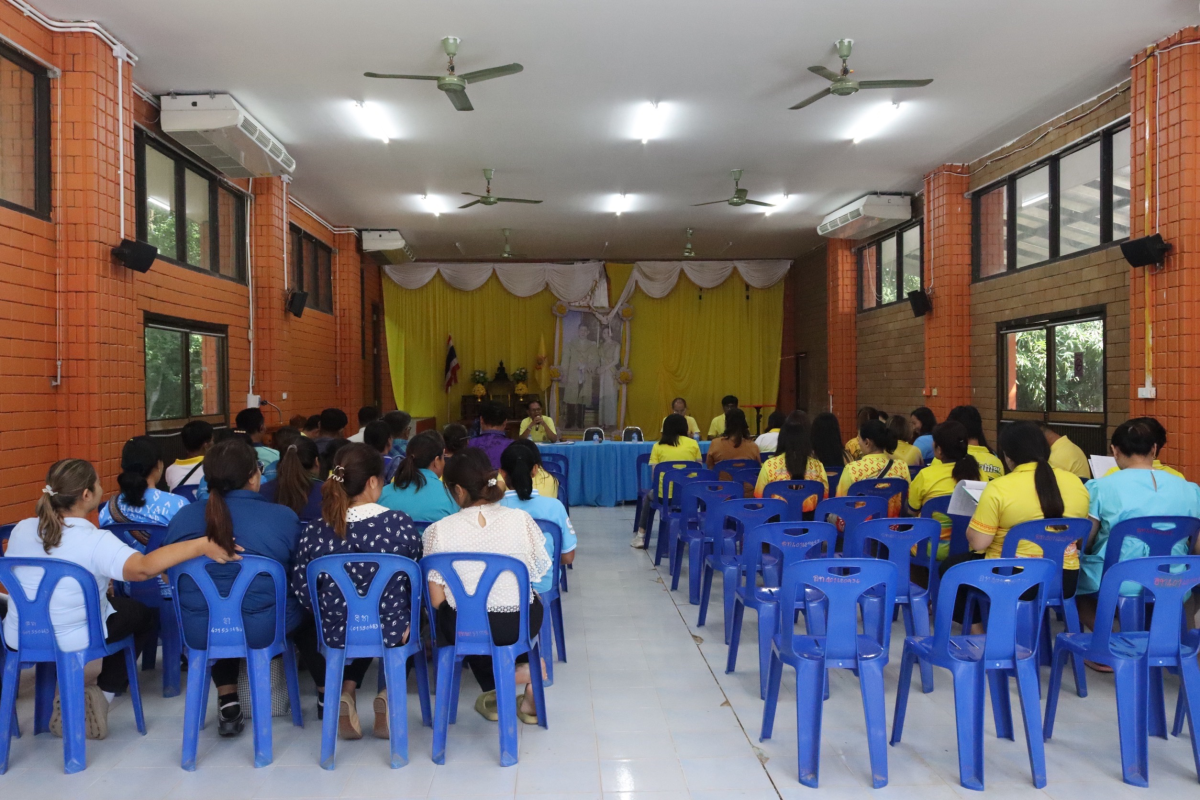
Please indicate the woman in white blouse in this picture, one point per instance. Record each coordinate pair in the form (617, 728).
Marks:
(485, 526)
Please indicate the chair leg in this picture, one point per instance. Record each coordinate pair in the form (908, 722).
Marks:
(392, 663)
(664, 534)
(906, 667)
(258, 669)
(917, 617)
(193, 707)
(968, 710)
(560, 637)
(1132, 680)
(8, 707)
(504, 670)
(1188, 705)
(446, 673)
(539, 687)
(675, 545)
(774, 675)
(335, 663)
(1071, 617)
(545, 637)
(1061, 654)
(172, 649)
(46, 678)
(768, 623)
(694, 570)
(135, 688)
(71, 698)
(1001, 704)
(1157, 718)
(729, 581)
(870, 681)
(422, 670)
(1031, 713)
(705, 591)
(735, 635)
(809, 705)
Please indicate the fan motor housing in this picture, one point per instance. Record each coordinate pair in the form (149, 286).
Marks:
(844, 88)
(452, 83)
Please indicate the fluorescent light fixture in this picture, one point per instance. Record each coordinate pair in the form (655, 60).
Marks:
(648, 122)
(432, 204)
(620, 204)
(374, 121)
(154, 201)
(1034, 200)
(780, 201)
(874, 121)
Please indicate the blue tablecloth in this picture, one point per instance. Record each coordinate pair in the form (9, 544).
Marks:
(602, 474)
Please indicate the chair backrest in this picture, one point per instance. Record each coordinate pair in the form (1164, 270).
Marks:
(556, 472)
(1003, 580)
(899, 537)
(145, 592)
(703, 495)
(421, 525)
(887, 488)
(593, 435)
(1168, 579)
(1159, 534)
(632, 433)
(731, 465)
(187, 492)
(936, 505)
(364, 633)
(555, 533)
(657, 481)
(1054, 536)
(958, 523)
(642, 465)
(674, 480)
(789, 541)
(36, 640)
(473, 633)
(5, 532)
(843, 581)
(563, 463)
(833, 476)
(795, 493)
(226, 630)
(734, 517)
(851, 510)
(747, 476)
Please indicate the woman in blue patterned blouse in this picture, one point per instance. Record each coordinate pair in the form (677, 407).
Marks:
(352, 521)
(138, 500)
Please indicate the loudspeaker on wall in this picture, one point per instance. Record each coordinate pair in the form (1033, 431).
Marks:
(919, 300)
(296, 302)
(137, 256)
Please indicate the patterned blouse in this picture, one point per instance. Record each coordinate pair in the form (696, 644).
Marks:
(370, 528)
(775, 469)
(873, 465)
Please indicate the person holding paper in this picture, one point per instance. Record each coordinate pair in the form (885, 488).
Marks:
(875, 441)
(1065, 454)
(951, 463)
(1160, 442)
(1031, 490)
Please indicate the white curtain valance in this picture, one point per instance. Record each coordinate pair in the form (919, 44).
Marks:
(658, 278)
(572, 283)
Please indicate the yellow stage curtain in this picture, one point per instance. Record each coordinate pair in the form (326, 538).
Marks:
(702, 344)
(489, 325)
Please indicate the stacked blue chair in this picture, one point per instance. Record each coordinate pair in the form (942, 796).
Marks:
(788, 541)
(887, 488)
(642, 473)
(552, 618)
(795, 493)
(655, 498)
(900, 538)
(994, 655)
(723, 534)
(958, 537)
(364, 639)
(844, 582)
(227, 639)
(149, 593)
(850, 511)
(37, 646)
(673, 481)
(473, 637)
(1170, 642)
(688, 529)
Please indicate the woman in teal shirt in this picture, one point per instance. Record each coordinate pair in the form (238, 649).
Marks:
(516, 469)
(417, 488)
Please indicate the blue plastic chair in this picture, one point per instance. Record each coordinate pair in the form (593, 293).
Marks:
(971, 658)
(687, 529)
(748, 477)
(670, 508)
(833, 476)
(187, 492)
(887, 488)
(149, 593)
(723, 534)
(559, 460)
(642, 479)
(5, 532)
(37, 646)
(789, 541)
(958, 538)
(227, 639)
(563, 491)
(1160, 535)
(552, 616)
(899, 538)
(656, 502)
(851, 511)
(473, 637)
(844, 582)
(795, 493)
(731, 465)
(364, 639)
(1135, 655)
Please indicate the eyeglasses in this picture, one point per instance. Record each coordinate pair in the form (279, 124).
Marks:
(262, 468)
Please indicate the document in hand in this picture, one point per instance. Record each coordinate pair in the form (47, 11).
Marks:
(1101, 465)
(966, 497)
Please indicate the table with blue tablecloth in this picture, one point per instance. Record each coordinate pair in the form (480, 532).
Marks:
(602, 474)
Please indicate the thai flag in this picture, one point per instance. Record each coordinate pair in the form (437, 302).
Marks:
(451, 364)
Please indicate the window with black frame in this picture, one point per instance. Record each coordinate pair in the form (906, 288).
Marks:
(311, 268)
(889, 268)
(24, 134)
(1069, 203)
(193, 218)
(186, 374)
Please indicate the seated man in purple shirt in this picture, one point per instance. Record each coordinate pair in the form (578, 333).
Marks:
(492, 438)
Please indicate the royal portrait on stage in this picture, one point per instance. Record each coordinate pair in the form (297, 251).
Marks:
(592, 356)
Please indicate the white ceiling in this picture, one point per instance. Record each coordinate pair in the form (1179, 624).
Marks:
(725, 71)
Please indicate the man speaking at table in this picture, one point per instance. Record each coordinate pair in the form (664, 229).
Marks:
(537, 428)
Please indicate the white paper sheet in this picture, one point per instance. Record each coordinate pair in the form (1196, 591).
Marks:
(966, 497)
(1101, 465)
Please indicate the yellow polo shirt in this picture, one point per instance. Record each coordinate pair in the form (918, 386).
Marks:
(908, 454)
(1012, 499)
(1065, 454)
(538, 435)
(693, 427)
(717, 426)
(853, 449)
(990, 465)
(1157, 465)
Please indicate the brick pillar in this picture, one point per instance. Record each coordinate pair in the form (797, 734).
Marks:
(348, 315)
(1166, 94)
(787, 400)
(842, 267)
(948, 276)
(272, 365)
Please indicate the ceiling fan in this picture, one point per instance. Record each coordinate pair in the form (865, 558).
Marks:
(454, 85)
(490, 200)
(507, 251)
(739, 195)
(842, 84)
(688, 252)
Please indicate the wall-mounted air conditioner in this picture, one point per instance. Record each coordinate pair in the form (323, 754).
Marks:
(218, 130)
(386, 247)
(867, 216)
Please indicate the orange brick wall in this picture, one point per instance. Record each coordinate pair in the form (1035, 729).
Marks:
(948, 278)
(890, 360)
(842, 369)
(808, 293)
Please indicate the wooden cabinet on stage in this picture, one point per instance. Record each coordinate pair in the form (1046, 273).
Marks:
(516, 406)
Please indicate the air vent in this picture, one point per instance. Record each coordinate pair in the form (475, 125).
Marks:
(221, 132)
(867, 216)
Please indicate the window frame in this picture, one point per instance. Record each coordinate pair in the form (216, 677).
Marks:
(877, 245)
(189, 327)
(1104, 136)
(183, 164)
(42, 178)
(298, 238)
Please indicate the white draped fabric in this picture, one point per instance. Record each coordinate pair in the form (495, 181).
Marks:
(657, 278)
(572, 283)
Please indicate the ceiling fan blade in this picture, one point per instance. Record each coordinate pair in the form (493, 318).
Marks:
(824, 72)
(809, 101)
(515, 200)
(759, 203)
(472, 194)
(460, 101)
(487, 74)
(710, 203)
(403, 77)
(472, 203)
(893, 84)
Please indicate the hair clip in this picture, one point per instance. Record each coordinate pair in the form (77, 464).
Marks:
(291, 447)
(47, 490)
(491, 481)
(338, 474)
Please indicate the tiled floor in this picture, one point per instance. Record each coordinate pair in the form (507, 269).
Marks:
(642, 711)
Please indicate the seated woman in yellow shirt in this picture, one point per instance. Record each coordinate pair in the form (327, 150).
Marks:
(1031, 490)
(795, 459)
(969, 418)
(544, 483)
(679, 406)
(875, 441)
(673, 445)
(865, 415)
(905, 451)
(734, 441)
(952, 463)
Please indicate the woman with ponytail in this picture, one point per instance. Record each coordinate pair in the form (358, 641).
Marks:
(795, 460)
(61, 531)
(875, 444)
(235, 516)
(517, 473)
(952, 462)
(353, 521)
(416, 488)
(296, 484)
(977, 444)
(138, 500)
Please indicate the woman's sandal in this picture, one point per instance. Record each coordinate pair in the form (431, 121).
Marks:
(485, 704)
(528, 719)
(1097, 667)
(380, 728)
